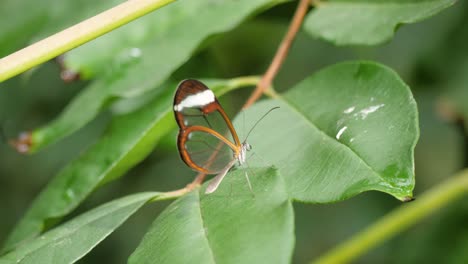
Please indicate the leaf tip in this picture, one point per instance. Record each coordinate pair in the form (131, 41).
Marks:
(407, 199)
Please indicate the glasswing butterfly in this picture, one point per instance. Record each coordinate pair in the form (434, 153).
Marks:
(207, 140)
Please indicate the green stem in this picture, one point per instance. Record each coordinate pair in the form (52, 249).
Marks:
(398, 220)
(240, 82)
(245, 81)
(75, 36)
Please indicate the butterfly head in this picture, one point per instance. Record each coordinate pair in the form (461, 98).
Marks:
(247, 146)
(243, 152)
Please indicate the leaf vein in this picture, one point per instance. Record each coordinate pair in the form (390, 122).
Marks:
(204, 229)
(314, 126)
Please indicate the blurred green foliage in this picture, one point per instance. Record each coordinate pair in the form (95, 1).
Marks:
(430, 56)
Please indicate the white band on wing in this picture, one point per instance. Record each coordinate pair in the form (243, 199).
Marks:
(196, 100)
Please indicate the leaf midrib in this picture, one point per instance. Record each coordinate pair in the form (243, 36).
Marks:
(314, 126)
(205, 235)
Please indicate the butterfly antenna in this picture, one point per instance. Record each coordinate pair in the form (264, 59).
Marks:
(261, 118)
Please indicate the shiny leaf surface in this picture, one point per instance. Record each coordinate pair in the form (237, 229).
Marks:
(349, 128)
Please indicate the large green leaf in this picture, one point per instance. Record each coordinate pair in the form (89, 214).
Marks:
(324, 152)
(349, 128)
(129, 139)
(367, 22)
(232, 225)
(140, 56)
(74, 239)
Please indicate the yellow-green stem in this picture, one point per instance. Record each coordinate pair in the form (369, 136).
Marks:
(244, 81)
(398, 220)
(75, 36)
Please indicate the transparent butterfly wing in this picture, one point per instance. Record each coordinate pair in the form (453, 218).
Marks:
(207, 142)
(204, 150)
(213, 120)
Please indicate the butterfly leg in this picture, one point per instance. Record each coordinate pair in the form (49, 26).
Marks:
(248, 182)
(247, 177)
